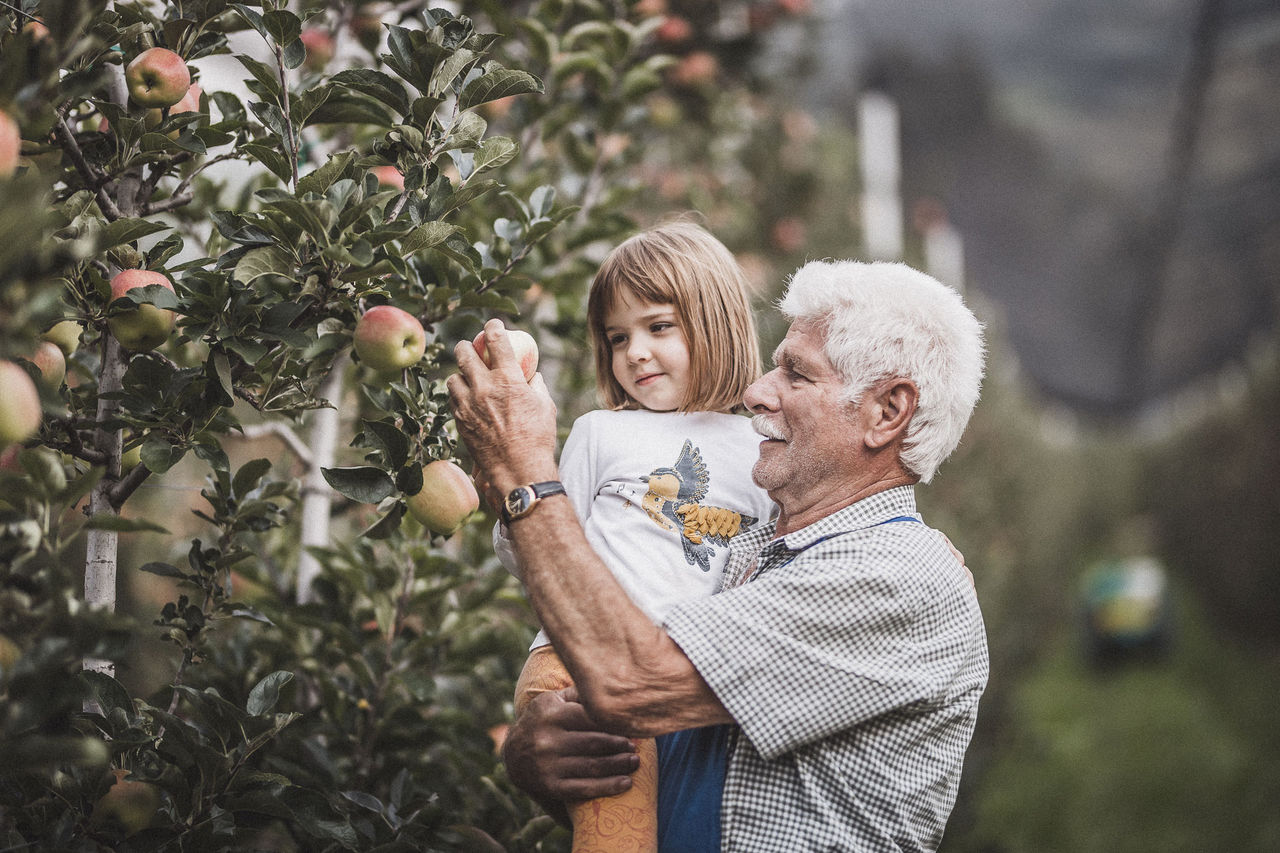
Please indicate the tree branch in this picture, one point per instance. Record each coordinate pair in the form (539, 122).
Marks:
(171, 203)
(281, 431)
(92, 176)
(128, 484)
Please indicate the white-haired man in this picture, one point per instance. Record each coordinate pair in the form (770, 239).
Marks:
(823, 699)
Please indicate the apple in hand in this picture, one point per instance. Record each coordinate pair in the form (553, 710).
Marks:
(388, 339)
(157, 77)
(522, 343)
(447, 500)
(143, 327)
(19, 404)
(10, 145)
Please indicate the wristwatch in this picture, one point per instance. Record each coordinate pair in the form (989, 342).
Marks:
(521, 500)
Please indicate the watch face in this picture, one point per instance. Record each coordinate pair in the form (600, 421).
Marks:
(518, 501)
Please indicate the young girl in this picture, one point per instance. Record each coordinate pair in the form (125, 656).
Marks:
(661, 480)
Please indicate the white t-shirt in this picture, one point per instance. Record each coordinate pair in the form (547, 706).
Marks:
(660, 495)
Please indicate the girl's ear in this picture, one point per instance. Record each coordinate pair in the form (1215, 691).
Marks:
(893, 404)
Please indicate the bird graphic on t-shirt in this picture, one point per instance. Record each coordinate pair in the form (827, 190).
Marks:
(672, 501)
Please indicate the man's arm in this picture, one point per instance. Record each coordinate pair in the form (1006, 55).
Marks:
(631, 677)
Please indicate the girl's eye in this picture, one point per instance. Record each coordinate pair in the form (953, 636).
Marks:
(617, 340)
(661, 327)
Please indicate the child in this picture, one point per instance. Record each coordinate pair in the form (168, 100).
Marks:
(661, 480)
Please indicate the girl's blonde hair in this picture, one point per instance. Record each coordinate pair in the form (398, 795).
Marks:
(682, 265)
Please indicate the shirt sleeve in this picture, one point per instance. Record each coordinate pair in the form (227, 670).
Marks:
(831, 640)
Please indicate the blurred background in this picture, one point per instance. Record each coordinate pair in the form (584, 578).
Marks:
(1102, 180)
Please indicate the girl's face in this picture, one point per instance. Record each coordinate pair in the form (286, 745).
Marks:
(650, 353)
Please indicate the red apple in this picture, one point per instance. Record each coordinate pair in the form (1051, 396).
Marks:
(36, 29)
(522, 343)
(447, 500)
(157, 77)
(674, 29)
(19, 404)
(696, 68)
(143, 327)
(128, 806)
(66, 334)
(389, 339)
(389, 176)
(10, 145)
(52, 363)
(319, 45)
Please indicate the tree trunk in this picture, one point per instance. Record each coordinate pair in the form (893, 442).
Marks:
(317, 497)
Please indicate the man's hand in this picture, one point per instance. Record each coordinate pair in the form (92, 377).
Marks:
(555, 753)
(509, 425)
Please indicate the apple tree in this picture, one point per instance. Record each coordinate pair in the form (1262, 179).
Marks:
(184, 264)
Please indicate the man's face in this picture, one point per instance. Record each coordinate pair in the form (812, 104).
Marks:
(811, 435)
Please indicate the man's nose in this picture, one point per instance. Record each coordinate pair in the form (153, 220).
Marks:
(758, 397)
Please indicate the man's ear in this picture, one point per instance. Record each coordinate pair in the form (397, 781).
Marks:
(893, 404)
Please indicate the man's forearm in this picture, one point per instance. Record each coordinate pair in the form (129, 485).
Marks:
(630, 675)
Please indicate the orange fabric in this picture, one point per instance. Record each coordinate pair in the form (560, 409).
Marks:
(627, 823)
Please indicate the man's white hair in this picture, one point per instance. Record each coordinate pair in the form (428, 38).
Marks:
(886, 320)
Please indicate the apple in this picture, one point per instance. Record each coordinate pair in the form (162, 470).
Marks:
(10, 145)
(66, 334)
(447, 500)
(696, 68)
(522, 343)
(388, 339)
(674, 29)
(319, 45)
(143, 327)
(157, 77)
(127, 805)
(36, 29)
(52, 363)
(20, 413)
(389, 176)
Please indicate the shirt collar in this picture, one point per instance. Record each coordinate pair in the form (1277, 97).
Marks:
(868, 512)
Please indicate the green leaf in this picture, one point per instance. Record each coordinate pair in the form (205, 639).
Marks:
(248, 475)
(498, 84)
(363, 484)
(490, 300)
(467, 130)
(164, 570)
(387, 437)
(266, 260)
(427, 235)
(494, 152)
(294, 54)
(266, 692)
(253, 17)
(159, 455)
(378, 85)
(106, 521)
(283, 25)
(273, 158)
(387, 525)
(305, 103)
(263, 73)
(126, 231)
(321, 179)
(448, 71)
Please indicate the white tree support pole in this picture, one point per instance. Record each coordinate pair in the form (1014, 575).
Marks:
(882, 219)
(317, 497)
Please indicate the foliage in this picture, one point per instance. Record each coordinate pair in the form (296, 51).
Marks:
(353, 713)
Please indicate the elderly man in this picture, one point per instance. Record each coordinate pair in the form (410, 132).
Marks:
(832, 684)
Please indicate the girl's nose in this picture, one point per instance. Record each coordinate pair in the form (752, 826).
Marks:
(637, 351)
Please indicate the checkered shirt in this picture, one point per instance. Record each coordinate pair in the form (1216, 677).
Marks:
(851, 654)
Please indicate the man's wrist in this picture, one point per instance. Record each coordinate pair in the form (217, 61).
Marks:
(522, 500)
